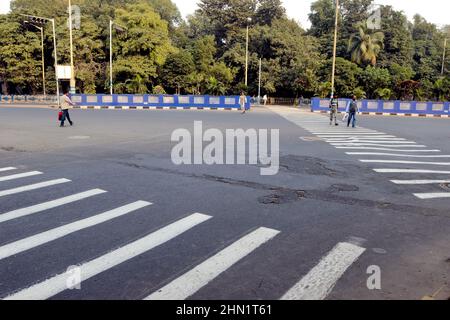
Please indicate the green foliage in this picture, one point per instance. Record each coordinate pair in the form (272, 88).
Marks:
(206, 54)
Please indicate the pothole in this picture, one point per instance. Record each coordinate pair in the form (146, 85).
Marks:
(344, 188)
(308, 165)
(282, 197)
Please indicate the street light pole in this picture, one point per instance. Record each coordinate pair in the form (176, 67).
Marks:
(246, 53)
(43, 61)
(56, 61)
(443, 57)
(72, 75)
(110, 56)
(334, 47)
(259, 85)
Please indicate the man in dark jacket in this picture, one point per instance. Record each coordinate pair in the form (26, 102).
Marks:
(352, 110)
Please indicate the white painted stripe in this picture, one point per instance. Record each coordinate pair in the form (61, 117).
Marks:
(436, 195)
(387, 149)
(409, 171)
(346, 133)
(48, 205)
(33, 187)
(352, 136)
(20, 175)
(319, 282)
(412, 182)
(355, 141)
(192, 281)
(58, 283)
(377, 145)
(396, 155)
(347, 139)
(16, 247)
(407, 162)
(7, 169)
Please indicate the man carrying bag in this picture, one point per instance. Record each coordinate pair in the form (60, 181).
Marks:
(66, 104)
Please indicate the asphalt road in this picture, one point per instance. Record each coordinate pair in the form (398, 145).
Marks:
(222, 232)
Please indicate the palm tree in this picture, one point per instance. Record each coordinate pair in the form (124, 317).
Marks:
(136, 85)
(364, 46)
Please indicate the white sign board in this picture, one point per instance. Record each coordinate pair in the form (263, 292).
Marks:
(64, 72)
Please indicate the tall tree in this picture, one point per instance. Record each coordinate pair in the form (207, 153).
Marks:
(364, 47)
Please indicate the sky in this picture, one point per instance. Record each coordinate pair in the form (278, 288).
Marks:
(436, 11)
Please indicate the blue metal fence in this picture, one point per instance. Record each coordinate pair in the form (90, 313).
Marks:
(387, 107)
(145, 101)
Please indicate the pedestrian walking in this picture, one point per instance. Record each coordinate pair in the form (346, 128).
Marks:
(242, 101)
(352, 110)
(334, 107)
(66, 104)
(265, 98)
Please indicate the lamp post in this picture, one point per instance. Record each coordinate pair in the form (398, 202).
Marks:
(334, 48)
(259, 82)
(118, 28)
(42, 21)
(41, 29)
(246, 53)
(443, 57)
(72, 74)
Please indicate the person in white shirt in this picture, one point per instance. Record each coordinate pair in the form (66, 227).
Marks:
(66, 104)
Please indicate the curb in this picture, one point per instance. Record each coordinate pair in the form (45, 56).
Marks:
(395, 114)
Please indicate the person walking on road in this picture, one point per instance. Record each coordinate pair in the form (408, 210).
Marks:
(265, 99)
(66, 104)
(352, 110)
(242, 101)
(334, 106)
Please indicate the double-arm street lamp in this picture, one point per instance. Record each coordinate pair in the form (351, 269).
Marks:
(41, 29)
(41, 21)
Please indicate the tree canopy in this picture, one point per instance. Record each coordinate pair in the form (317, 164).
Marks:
(159, 52)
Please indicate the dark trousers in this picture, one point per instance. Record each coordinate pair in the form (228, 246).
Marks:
(65, 116)
(352, 119)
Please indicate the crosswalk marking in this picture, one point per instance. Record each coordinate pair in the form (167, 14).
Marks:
(409, 171)
(407, 162)
(16, 247)
(351, 137)
(57, 284)
(357, 141)
(20, 175)
(346, 133)
(396, 155)
(363, 139)
(7, 169)
(378, 145)
(319, 282)
(411, 182)
(385, 149)
(33, 187)
(48, 205)
(436, 195)
(192, 281)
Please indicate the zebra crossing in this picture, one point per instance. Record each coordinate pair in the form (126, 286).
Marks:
(367, 145)
(317, 284)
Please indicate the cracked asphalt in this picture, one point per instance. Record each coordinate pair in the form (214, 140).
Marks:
(320, 197)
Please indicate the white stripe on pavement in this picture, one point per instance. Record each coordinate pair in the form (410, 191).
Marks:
(360, 141)
(409, 171)
(386, 149)
(396, 155)
(407, 162)
(345, 139)
(377, 145)
(20, 175)
(192, 281)
(48, 205)
(319, 282)
(7, 169)
(33, 187)
(16, 247)
(412, 182)
(58, 283)
(425, 196)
